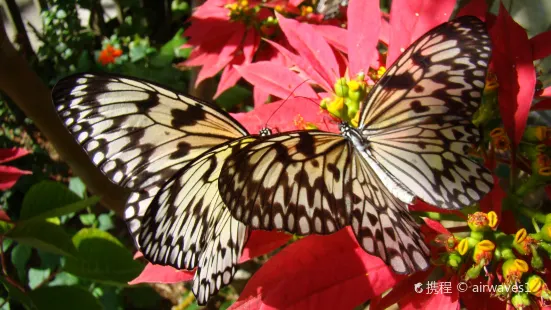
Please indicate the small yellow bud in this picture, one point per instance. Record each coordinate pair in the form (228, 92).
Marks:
(463, 246)
(520, 235)
(492, 219)
(353, 85)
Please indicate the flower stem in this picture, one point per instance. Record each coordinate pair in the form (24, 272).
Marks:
(439, 216)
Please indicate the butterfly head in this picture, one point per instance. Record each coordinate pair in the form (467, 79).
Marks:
(265, 132)
(344, 127)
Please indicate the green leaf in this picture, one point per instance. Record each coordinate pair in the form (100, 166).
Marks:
(43, 235)
(5, 304)
(44, 197)
(5, 227)
(19, 258)
(171, 50)
(63, 279)
(37, 276)
(105, 221)
(64, 297)
(141, 296)
(6, 244)
(102, 258)
(87, 219)
(49, 260)
(18, 295)
(235, 95)
(77, 186)
(71, 208)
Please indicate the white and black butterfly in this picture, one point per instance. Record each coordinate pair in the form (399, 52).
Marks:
(330, 8)
(168, 149)
(412, 140)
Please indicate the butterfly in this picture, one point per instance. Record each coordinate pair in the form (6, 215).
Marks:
(330, 8)
(412, 142)
(167, 148)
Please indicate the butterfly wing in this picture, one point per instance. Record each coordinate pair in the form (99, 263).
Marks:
(417, 117)
(138, 133)
(188, 226)
(316, 182)
(330, 8)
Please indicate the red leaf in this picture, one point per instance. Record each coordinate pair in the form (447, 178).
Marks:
(403, 289)
(303, 64)
(336, 36)
(492, 201)
(508, 222)
(515, 72)
(162, 274)
(199, 57)
(476, 8)
(313, 48)
(436, 226)
(281, 118)
(541, 45)
(260, 96)
(11, 154)
(9, 176)
(275, 79)
(384, 33)
(546, 92)
(542, 105)
(440, 300)
(364, 24)
(411, 19)
(318, 272)
(261, 242)
(230, 76)
(225, 56)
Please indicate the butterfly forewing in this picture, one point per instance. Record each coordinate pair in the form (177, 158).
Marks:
(439, 78)
(417, 119)
(136, 132)
(315, 182)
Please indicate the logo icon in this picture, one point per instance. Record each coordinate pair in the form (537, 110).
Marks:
(418, 287)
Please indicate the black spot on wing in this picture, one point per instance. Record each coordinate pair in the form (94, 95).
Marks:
(144, 105)
(332, 168)
(420, 60)
(188, 117)
(402, 81)
(306, 144)
(183, 149)
(417, 107)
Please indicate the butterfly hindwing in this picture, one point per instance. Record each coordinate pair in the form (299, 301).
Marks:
(274, 183)
(187, 225)
(315, 182)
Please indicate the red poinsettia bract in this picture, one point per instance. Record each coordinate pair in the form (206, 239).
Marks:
(8, 174)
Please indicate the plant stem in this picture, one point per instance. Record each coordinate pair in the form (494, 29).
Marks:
(439, 216)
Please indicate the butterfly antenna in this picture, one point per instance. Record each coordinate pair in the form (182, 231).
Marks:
(289, 96)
